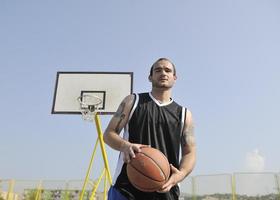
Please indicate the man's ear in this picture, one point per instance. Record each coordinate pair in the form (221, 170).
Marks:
(175, 77)
(150, 78)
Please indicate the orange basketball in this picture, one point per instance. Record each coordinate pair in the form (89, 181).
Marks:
(149, 170)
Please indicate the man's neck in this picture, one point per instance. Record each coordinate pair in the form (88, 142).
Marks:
(162, 96)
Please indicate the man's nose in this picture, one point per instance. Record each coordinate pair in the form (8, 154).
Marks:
(163, 72)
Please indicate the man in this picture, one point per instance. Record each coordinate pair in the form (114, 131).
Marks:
(153, 119)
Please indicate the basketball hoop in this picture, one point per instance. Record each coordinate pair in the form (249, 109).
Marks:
(89, 106)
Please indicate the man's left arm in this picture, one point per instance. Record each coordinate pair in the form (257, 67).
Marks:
(188, 155)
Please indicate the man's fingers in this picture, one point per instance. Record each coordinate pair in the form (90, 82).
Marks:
(126, 158)
(131, 153)
(131, 150)
(173, 169)
(165, 185)
(136, 148)
(144, 145)
(165, 188)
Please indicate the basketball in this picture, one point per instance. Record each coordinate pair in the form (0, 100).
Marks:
(149, 170)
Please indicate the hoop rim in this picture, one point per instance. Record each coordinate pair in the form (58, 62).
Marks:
(87, 104)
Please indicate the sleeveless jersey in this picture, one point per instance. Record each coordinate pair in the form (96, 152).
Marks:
(155, 124)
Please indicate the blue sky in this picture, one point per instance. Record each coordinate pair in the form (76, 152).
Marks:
(227, 58)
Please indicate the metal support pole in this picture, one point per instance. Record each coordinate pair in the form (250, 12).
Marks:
(88, 171)
(100, 137)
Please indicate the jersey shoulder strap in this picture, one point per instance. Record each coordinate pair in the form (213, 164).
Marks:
(183, 119)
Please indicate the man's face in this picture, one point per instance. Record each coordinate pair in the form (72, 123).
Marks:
(163, 75)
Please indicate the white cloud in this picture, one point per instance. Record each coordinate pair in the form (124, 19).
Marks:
(254, 161)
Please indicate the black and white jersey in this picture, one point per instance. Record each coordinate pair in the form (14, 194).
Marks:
(159, 125)
(155, 124)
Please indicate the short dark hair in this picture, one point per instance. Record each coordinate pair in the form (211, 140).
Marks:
(162, 59)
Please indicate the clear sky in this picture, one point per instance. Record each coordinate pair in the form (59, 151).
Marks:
(227, 58)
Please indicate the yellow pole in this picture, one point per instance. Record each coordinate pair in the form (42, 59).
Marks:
(105, 186)
(66, 194)
(97, 184)
(100, 136)
(88, 171)
(233, 186)
(38, 193)
(11, 188)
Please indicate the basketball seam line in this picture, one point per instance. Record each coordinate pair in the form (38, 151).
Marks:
(147, 189)
(156, 163)
(145, 174)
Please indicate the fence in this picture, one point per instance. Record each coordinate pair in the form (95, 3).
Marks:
(236, 186)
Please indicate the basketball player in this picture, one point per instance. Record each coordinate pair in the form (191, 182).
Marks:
(152, 119)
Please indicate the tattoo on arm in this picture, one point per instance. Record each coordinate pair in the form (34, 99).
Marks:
(119, 114)
(188, 137)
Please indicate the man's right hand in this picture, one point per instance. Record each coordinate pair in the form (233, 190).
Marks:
(130, 149)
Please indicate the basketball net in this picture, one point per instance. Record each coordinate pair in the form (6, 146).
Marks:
(89, 106)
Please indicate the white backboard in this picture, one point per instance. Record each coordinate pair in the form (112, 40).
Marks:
(111, 87)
